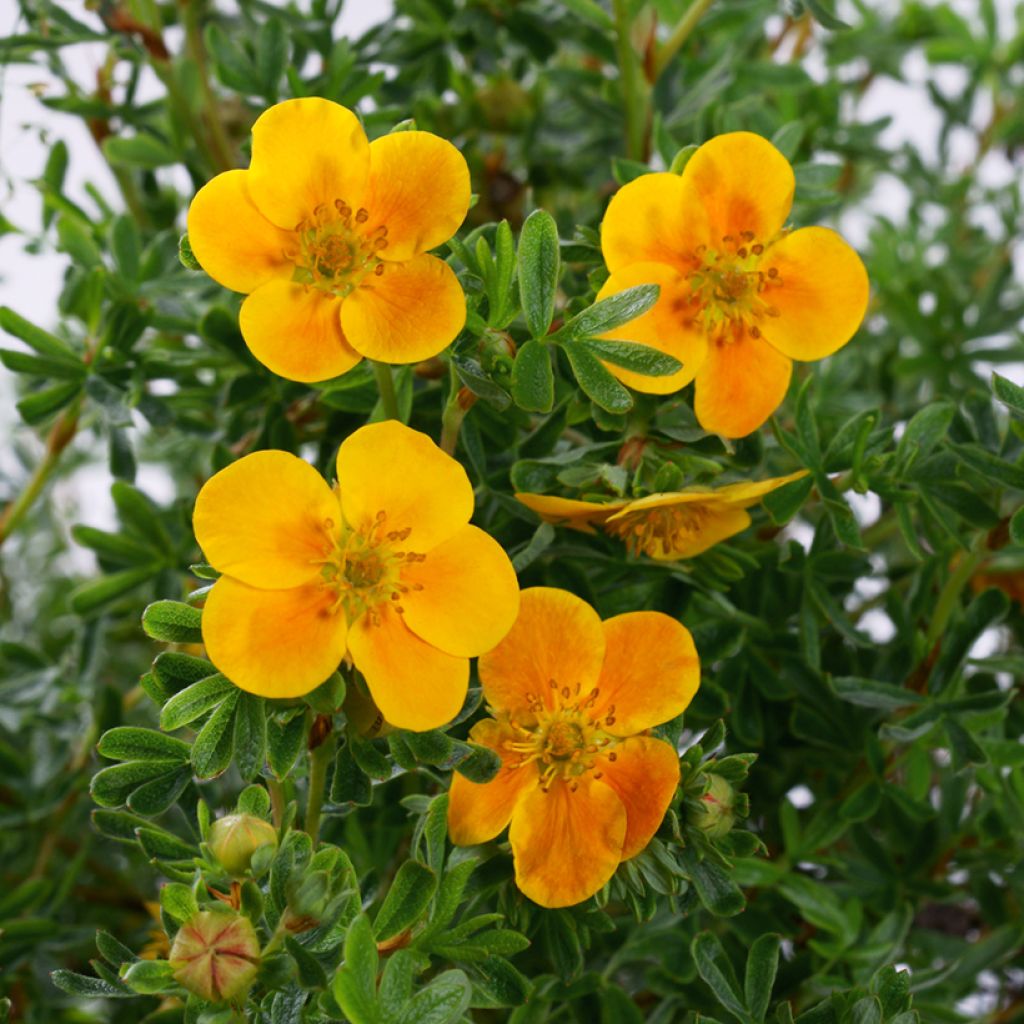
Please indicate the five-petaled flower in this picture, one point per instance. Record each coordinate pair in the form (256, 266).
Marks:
(386, 568)
(667, 527)
(583, 785)
(741, 296)
(328, 235)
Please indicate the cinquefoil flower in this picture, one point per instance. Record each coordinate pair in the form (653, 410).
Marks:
(385, 568)
(327, 234)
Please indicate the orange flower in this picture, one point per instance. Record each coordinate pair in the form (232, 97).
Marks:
(741, 296)
(386, 568)
(582, 783)
(327, 234)
(663, 526)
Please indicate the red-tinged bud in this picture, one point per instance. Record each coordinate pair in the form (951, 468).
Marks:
(715, 817)
(216, 955)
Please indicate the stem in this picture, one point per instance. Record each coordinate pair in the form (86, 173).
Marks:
(319, 759)
(278, 800)
(950, 593)
(679, 35)
(221, 149)
(629, 69)
(386, 387)
(60, 437)
(455, 409)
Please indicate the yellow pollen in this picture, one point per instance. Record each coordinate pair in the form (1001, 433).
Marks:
(660, 532)
(334, 249)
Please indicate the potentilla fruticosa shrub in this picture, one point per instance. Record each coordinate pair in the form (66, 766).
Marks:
(565, 560)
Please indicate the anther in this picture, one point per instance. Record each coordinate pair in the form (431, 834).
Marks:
(757, 249)
(378, 270)
(773, 272)
(613, 756)
(362, 215)
(742, 253)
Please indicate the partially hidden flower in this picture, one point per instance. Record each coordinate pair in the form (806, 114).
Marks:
(328, 234)
(583, 785)
(668, 527)
(216, 955)
(385, 569)
(741, 295)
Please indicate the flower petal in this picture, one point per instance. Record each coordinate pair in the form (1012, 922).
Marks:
(743, 183)
(695, 527)
(419, 190)
(408, 313)
(650, 673)
(652, 219)
(415, 685)
(580, 515)
(557, 639)
(644, 776)
(295, 331)
(388, 467)
(823, 296)
(750, 492)
(663, 327)
(567, 844)
(265, 520)
(464, 597)
(477, 812)
(742, 383)
(234, 243)
(274, 643)
(305, 153)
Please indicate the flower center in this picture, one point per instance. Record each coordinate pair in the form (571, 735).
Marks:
(335, 251)
(367, 568)
(660, 531)
(565, 741)
(730, 294)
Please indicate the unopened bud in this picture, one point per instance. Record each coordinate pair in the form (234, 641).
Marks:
(236, 837)
(715, 817)
(215, 955)
(364, 716)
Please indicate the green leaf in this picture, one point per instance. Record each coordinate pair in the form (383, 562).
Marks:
(113, 547)
(1017, 527)
(141, 150)
(533, 382)
(194, 701)
(111, 786)
(153, 798)
(161, 845)
(716, 969)
(481, 765)
(443, 1001)
(93, 595)
(612, 312)
(126, 245)
(46, 344)
(596, 382)
(350, 783)
(632, 356)
(178, 900)
(214, 745)
(88, 988)
(284, 741)
(872, 693)
(759, 978)
(150, 977)
(173, 622)
(539, 267)
(355, 984)
(39, 405)
(129, 743)
(925, 429)
(717, 891)
(406, 901)
(250, 740)
(1010, 394)
(311, 974)
(986, 610)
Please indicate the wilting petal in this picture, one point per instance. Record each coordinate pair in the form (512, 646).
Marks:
(650, 673)
(668, 327)
(580, 515)
(668, 527)
(822, 297)
(742, 383)
(274, 643)
(267, 520)
(295, 331)
(652, 219)
(464, 597)
(419, 190)
(743, 183)
(644, 776)
(415, 685)
(556, 641)
(477, 812)
(750, 492)
(307, 153)
(390, 468)
(409, 312)
(567, 844)
(234, 243)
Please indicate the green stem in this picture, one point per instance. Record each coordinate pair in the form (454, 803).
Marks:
(221, 150)
(679, 35)
(60, 437)
(386, 387)
(950, 593)
(453, 414)
(629, 73)
(278, 801)
(319, 759)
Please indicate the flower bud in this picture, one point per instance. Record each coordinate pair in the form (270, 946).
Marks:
(364, 715)
(215, 955)
(236, 837)
(715, 817)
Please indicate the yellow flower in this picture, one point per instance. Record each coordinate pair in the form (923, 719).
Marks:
(385, 568)
(327, 234)
(582, 785)
(741, 296)
(663, 526)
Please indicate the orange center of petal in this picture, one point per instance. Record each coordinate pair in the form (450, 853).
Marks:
(660, 531)
(730, 294)
(564, 742)
(366, 567)
(335, 251)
